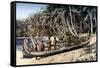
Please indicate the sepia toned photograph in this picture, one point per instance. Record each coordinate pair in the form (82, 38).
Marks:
(55, 33)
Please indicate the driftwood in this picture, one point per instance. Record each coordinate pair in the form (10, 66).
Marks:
(61, 50)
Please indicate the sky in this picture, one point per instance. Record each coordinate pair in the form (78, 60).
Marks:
(24, 10)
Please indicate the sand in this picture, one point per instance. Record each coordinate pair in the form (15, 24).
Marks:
(71, 56)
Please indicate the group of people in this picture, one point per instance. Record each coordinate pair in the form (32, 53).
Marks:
(38, 45)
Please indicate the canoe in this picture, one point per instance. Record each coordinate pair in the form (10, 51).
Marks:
(61, 50)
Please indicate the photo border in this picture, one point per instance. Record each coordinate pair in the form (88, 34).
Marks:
(13, 34)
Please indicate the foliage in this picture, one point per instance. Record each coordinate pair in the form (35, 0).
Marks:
(63, 21)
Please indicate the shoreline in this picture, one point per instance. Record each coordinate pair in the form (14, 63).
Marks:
(71, 56)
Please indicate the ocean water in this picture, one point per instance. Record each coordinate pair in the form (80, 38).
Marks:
(19, 42)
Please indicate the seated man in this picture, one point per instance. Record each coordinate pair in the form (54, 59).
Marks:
(41, 46)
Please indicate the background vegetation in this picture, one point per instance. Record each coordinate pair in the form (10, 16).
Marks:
(63, 21)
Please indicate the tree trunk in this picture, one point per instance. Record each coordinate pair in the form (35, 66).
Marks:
(33, 42)
(72, 21)
(25, 48)
(91, 22)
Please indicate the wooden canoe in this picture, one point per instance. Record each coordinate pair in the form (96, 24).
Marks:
(61, 50)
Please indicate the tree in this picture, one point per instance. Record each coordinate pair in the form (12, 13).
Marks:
(64, 21)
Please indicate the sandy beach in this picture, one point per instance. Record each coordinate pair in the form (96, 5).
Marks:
(71, 56)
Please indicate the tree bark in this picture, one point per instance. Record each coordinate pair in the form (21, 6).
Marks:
(91, 22)
(72, 21)
(33, 42)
